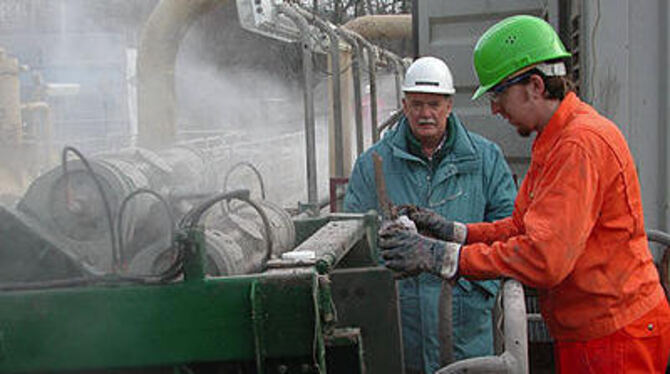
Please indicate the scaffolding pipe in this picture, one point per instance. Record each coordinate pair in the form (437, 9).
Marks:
(393, 118)
(399, 72)
(372, 78)
(334, 50)
(308, 99)
(356, 74)
(157, 55)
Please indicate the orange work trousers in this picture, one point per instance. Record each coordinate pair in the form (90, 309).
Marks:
(641, 347)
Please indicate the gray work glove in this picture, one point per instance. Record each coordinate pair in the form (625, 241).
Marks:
(435, 225)
(409, 253)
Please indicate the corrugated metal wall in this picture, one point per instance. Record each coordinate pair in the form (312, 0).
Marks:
(623, 55)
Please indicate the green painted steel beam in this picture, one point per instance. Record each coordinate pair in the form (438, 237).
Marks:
(142, 326)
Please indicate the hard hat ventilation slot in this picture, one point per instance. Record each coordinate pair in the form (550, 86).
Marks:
(427, 83)
(511, 39)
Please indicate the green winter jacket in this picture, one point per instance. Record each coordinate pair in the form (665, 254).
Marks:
(471, 183)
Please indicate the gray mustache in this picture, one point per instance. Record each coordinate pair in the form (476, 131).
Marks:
(427, 121)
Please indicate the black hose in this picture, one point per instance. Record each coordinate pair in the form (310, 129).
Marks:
(192, 218)
(235, 167)
(105, 202)
(122, 209)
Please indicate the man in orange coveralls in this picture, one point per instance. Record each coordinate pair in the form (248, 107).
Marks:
(577, 231)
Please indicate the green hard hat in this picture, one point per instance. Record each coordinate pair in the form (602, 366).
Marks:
(513, 44)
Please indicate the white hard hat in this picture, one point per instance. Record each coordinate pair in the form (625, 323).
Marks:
(429, 75)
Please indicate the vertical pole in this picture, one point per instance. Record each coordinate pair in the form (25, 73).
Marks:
(358, 102)
(372, 65)
(308, 101)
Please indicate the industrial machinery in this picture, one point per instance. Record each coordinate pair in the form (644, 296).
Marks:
(143, 261)
(228, 293)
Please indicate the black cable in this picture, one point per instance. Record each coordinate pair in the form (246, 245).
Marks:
(170, 273)
(250, 166)
(98, 184)
(122, 209)
(192, 218)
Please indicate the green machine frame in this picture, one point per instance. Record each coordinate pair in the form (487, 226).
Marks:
(335, 314)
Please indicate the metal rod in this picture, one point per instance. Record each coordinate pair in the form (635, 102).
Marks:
(310, 131)
(515, 358)
(398, 72)
(445, 325)
(372, 66)
(395, 116)
(334, 50)
(372, 78)
(356, 74)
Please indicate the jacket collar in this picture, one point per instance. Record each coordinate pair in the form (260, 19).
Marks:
(548, 137)
(462, 149)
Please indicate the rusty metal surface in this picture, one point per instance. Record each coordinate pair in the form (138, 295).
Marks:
(385, 205)
(326, 247)
(445, 323)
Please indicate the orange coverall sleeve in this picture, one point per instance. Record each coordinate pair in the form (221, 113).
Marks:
(562, 206)
(489, 232)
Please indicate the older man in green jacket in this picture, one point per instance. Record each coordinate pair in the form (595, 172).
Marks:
(430, 160)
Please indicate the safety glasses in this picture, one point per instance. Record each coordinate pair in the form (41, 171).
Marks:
(496, 91)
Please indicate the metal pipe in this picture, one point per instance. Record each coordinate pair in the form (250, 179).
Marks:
(515, 326)
(515, 358)
(310, 132)
(488, 364)
(372, 78)
(387, 26)
(395, 116)
(399, 74)
(334, 50)
(445, 325)
(356, 74)
(372, 65)
(658, 237)
(157, 55)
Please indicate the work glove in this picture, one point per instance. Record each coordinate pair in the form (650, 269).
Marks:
(409, 253)
(434, 224)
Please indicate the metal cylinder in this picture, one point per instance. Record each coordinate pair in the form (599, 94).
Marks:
(235, 241)
(70, 207)
(244, 226)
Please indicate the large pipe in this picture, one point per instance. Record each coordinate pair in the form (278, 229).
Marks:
(387, 26)
(157, 56)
